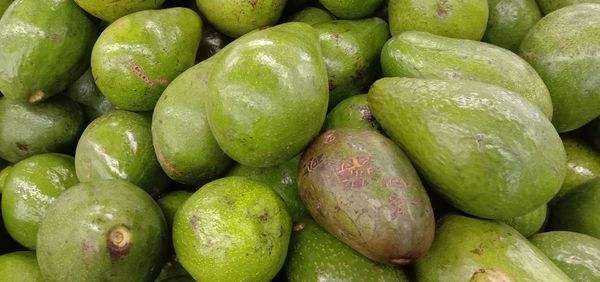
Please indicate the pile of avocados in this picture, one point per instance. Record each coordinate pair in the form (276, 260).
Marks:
(300, 140)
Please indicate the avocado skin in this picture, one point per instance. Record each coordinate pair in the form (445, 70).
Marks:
(30, 129)
(311, 16)
(529, 223)
(578, 210)
(472, 141)
(110, 11)
(564, 48)
(351, 9)
(59, 37)
(310, 244)
(85, 92)
(353, 112)
(509, 22)
(170, 203)
(20, 266)
(583, 164)
(424, 55)
(466, 249)
(4, 5)
(548, 6)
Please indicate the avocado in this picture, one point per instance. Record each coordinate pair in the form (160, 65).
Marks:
(30, 187)
(351, 51)
(235, 18)
(353, 112)
(549, 6)
(360, 187)
(112, 10)
(578, 210)
(212, 42)
(20, 267)
(107, 230)
(577, 255)
(137, 56)
(311, 16)
(170, 203)
(184, 144)
(509, 22)
(351, 9)
(564, 48)
(530, 223)
(45, 46)
(268, 94)
(85, 92)
(4, 5)
(424, 55)
(477, 250)
(315, 255)
(172, 271)
(583, 164)
(30, 129)
(118, 145)
(487, 150)
(466, 19)
(232, 229)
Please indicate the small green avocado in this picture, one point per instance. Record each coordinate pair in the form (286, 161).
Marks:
(353, 112)
(112, 10)
(583, 164)
(311, 16)
(20, 267)
(578, 210)
(171, 202)
(509, 22)
(351, 9)
(549, 6)
(530, 223)
(85, 92)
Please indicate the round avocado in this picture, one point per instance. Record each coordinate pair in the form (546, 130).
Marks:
(351, 9)
(353, 112)
(530, 223)
(583, 164)
(170, 203)
(509, 22)
(578, 210)
(20, 267)
(110, 11)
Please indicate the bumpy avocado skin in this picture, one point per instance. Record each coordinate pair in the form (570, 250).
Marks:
(578, 210)
(549, 6)
(85, 92)
(136, 57)
(112, 10)
(311, 16)
(20, 267)
(530, 223)
(564, 48)
(509, 22)
(58, 36)
(351, 9)
(473, 142)
(353, 112)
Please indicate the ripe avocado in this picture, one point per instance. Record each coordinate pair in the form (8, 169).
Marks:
(509, 22)
(112, 10)
(353, 112)
(311, 16)
(530, 223)
(20, 267)
(578, 210)
(351, 9)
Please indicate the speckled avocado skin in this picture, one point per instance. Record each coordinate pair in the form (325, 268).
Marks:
(353, 112)
(509, 22)
(564, 48)
(20, 266)
(530, 223)
(578, 210)
(351, 9)
(112, 10)
(473, 142)
(137, 56)
(549, 6)
(59, 37)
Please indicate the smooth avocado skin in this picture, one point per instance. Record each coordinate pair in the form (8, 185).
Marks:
(509, 21)
(107, 230)
(232, 229)
(473, 142)
(59, 37)
(268, 95)
(351, 9)
(564, 48)
(4, 5)
(170, 203)
(132, 79)
(30, 187)
(85, 92)
(583, 164)
(118, 145)
(466, 19)
(578, 211)
(184, 145)
(469, 249)
(351, 51)
(21, 266)
(548, 6)
(311, 16)
(577, 255)
(360, 187)
(30, 129)
(424, 55)
(315, 255)
(110, 11)
(531, 222)
(352, 112)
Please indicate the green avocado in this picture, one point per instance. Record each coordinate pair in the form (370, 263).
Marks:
(184, 144)
(20, 267)
(4, 5)
(137, 56)
(477, 250)
(232, 229)
(564, 48)
(583, 164)
(268, 94)
(30, 129)
(577, 255)
(311, 16)
(466, 19)
(315, 255)
(112, 10)
(107, 230)
(30, 187)
(424, 55)
(118, 145)
(578, 210)
(85, 92)
(549, 6)
(487, 150)
(353, 112)
(360, 187)
(235, 18)
(351, 51)
(170, 203)
(44, 46)
(509, 22)
(530, 223)
(351, 9)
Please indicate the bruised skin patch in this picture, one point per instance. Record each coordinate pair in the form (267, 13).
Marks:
(118, 242)
(354, 173)
(137, 69)
(313, 163)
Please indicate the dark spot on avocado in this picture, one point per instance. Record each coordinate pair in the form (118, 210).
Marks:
(354, 173)
(22, 146)
(479, 138)
(477, 251)
(194, 221)
(137, 69)
(228, 201)
(264, 216)
(397, 182)
(118, 242)
(299, 227)
(85, 246)
(253, 3)
(442, 8)
(163, 160)
(365, 111)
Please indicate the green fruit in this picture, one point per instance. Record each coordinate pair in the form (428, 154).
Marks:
(312, 16)
(85, 92)
(487, 150)
(466, 19)
(30, 187)
(20, 267)
(118, 145)
(353, 112)
(315, 255)
(232, 229)
(424, 55)
(268, 95)
(351, 52)
(27, 130)
(477, 250)
(360, 187)
(137, 56)
(583, 164)
(235, 18)
(184, 144)
(112, 10)
(564, 48)
(170, 203)
(509, 22)
(530, 223)
(44, 46)
(578, 210)
(351, 9)
(578, 255)
(4, 5)
(549, 6)
(283, 179)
